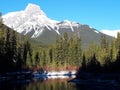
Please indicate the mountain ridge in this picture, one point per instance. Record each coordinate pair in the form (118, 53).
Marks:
(33, 22)
(34, 16)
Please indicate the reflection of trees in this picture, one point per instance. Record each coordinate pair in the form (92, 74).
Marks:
(50, 84)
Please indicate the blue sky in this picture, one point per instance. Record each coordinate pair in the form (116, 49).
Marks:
(100, 14)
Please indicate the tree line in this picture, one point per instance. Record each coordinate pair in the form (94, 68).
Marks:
(13, 51)
(66, 52)
(102, 58)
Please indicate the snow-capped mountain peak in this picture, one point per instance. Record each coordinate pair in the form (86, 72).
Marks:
(30, 18)
(33, 9)
(32, 21)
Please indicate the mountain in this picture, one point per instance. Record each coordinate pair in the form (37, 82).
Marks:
(33, 22)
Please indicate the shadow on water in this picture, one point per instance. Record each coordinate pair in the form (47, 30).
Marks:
(14, 84)
(90, 81)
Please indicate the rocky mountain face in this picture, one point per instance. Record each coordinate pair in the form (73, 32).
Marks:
(33, 22)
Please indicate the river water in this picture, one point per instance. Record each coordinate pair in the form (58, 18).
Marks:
(49, 83)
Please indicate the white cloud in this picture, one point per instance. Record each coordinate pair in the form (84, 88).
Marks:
(111, 32)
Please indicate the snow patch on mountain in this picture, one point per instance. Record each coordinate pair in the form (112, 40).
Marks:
(112, 33)
(37, 33)
(69, 23)
(96, 31)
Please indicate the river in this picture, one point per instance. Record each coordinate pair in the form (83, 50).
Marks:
(51, 83)
(46, 83)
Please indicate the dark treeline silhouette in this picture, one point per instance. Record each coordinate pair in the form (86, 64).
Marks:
(13, 51)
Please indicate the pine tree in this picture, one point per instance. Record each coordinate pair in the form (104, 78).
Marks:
(84, 63)
(27, 51)
(44, 58)
(118, 40)
(59, 51)
(70, 52)
(9, 52)
(65, 49)
(19, 62)
(37, 58)
(14, 46)
(79, 54)
(50, 55)
(2, 49)
(93, 64)
(104, 42)
(113, 51)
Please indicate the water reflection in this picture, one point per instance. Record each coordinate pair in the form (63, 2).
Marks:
(49, 83)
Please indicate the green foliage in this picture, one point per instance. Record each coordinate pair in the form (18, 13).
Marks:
(65, 52)
(103, 58)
